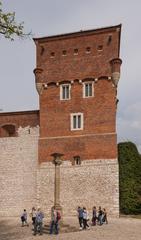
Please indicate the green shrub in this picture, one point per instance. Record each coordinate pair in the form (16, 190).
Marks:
(129, 178)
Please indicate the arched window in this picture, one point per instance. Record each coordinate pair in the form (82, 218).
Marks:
(8, 130)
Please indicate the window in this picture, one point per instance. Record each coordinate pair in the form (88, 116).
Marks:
(77, 121)
(64, 52)
(76, 160)
(8, 130)
(52, 54)
(88, 50)
(88, 90)
(100, 48)
(75, 51)
(65, 91)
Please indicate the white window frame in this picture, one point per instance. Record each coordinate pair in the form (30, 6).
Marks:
(84, 89)
(61, 91)
(72, 115)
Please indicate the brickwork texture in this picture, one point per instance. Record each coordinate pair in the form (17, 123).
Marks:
(28, 139)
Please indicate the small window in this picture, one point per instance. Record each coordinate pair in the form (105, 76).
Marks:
(52, 54)
(65, 92)
(88, 50)
(100, 48)
(42, 50)
(75, 51)
(77, 121)
(88, 90)
(64, 52)
(8, 130)
(77, 160)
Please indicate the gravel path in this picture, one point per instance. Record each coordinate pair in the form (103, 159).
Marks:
(117, 229)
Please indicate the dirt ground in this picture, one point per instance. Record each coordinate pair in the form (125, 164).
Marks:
(116, 229)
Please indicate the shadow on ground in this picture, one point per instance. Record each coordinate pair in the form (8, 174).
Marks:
(8, 231)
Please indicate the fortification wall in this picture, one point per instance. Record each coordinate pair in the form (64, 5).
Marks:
(18, 171)
(24, 184)
(93, 183)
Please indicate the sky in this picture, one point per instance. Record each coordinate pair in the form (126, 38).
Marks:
(52, 17)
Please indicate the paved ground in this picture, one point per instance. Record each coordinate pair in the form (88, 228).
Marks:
(117, 229)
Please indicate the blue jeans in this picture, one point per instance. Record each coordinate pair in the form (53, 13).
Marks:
(54, 224)
(100, 219)
(38, 227)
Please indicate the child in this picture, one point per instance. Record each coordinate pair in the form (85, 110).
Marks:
(24, 218)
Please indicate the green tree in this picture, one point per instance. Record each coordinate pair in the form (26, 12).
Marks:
(129, 178)
(8, 26)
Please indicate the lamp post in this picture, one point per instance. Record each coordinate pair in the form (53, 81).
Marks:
(57, 162)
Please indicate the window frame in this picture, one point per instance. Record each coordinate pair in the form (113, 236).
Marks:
(72, 115)
(84, 89)
(61, 91)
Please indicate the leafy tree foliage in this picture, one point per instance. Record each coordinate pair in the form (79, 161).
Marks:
(8, 26)
(129, 178)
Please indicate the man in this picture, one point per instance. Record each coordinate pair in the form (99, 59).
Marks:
(100, 214)
(80, 217)
(55, 217)
(38, 226)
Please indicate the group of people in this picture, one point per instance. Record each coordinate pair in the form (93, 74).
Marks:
(37, 220)
(98, 217)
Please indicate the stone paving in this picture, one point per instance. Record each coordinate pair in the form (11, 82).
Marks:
(117, 229)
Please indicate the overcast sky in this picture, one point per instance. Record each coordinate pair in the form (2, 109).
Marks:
(51, 17)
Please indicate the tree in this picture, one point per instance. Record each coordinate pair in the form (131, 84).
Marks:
(8, 26)
(129, 178)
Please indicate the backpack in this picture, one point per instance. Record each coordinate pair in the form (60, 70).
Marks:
(58, 216)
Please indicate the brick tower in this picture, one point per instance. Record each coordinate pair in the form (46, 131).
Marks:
(76, 78)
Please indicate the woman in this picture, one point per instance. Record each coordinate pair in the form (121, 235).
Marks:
(104, 219)
(85, 218)
(33, 215)
(94, 216)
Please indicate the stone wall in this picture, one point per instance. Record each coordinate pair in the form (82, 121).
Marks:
(93, 183)
(18, 171)
(24, 184)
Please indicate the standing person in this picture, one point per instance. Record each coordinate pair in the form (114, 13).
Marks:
(100, 214)
(38, 226)
(105, 219)
(55, 217)
(94, 216)
(85, 218)
(80, 216)
(33, 215)
(57, 222)
(24, 218)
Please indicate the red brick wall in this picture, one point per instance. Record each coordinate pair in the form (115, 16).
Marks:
(80, 66)
(99, 111)
(87, 147)
(18, 119)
